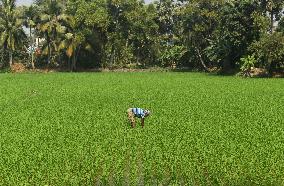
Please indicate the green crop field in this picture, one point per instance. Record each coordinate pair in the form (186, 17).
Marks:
(72, 129)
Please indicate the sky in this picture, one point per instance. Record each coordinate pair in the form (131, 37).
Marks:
(24, 2)
(27, 2)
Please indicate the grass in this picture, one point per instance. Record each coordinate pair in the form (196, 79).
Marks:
(71, 129)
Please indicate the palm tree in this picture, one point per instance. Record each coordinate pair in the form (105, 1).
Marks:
(30, 15)
(12, 34)
(73, 41)
(70, 43)
(50, 27)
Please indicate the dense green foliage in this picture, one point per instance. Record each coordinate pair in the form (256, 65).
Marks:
(62, 129)
(199, 34)
(11, 32)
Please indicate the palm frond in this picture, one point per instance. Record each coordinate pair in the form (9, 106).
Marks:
(69, 51)
(60, 29)
(62, 45)
(44, 17)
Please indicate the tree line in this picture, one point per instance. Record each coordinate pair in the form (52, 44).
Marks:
(206, 35)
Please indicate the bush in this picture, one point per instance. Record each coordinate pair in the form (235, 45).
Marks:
(171, 56)
(269, 51)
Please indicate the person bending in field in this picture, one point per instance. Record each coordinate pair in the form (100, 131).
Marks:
(139, 113)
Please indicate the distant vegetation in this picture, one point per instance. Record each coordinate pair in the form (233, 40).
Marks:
(206, 35)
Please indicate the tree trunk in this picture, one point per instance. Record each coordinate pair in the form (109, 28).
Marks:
(112, 61)
(32, 49)
(33, 64)
(11, 58)
(272, 68)
(201, 60)
(271, 22)
(73, 66)
(69, 64)
(127, 39)
(49, 54)
(48, 49)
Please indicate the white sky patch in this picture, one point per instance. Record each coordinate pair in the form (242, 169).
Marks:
(24, 2)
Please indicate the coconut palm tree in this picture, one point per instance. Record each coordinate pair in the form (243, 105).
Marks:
(12, 34)
(30, 15)
(70, 44)
(73, 41)
(49, 26)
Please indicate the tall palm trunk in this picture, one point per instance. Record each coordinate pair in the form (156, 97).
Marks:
(271, 22)
(32, 49)
(73, 65)
(33, 64)
(69, 64)
(48, 49)
(49, 54)
(75, 57)
(11, 58)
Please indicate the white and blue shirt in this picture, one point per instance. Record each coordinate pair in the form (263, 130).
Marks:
(138, 112)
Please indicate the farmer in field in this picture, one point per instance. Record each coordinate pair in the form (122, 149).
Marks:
(139, 113)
